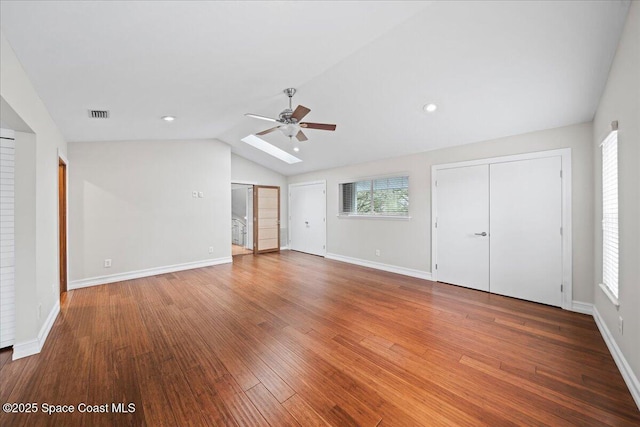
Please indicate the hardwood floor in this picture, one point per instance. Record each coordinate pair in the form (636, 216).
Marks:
(291, 339)
(240, 250)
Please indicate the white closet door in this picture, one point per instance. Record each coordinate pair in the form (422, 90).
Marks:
(307, 216)
(463, 226)
(526, 216)
(7, 239)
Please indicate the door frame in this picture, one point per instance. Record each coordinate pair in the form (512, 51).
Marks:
(249, 216)
(253, 185)
(567, 260)
(324, 209)
(62, 287)
(256, 220)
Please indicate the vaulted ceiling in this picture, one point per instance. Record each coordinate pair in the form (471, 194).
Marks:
(493, 69)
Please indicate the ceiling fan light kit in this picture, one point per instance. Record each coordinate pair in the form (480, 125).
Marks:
(290, 120)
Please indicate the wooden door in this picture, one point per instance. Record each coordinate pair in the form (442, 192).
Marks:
(266, 219)
(62, 223)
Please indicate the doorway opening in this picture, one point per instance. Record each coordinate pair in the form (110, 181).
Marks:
(241, 219)
(62, 222)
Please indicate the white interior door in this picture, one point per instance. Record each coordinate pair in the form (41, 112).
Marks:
(307, 218)
(526, 216)
(463, 226)
(7, 239)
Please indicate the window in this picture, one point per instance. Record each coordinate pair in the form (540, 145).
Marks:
(610, 213)
(375, 197)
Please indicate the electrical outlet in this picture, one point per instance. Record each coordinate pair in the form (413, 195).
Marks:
(377, 252)
(194, 194)
(620, 323)
(210, 249)
(200, 194)
(107, 263)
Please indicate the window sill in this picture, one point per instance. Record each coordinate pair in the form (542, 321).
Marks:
(392, 217)
(609, 295)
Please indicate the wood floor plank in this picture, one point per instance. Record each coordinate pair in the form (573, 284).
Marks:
(126, 387)
(293, 339)
(211, 405)
(303, 412)
(242, 409)
(270, 408)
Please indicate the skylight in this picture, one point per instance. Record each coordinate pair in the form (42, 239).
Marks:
(270, 149)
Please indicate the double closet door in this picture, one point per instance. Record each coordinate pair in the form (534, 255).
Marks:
(499, 228)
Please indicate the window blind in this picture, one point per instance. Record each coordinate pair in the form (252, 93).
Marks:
(382, 196)
(610, 213)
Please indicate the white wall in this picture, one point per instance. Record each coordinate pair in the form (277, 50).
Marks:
(407, 244)
(18, 92)
(245, 171)
(131, 202)
(621, 102)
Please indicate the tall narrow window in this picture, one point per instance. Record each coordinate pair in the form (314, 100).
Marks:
(610, 213)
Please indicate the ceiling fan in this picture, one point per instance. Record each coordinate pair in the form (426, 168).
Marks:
(289, 120)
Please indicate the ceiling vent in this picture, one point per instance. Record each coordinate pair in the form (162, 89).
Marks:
(99, 114)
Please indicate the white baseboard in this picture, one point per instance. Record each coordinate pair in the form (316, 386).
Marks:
(102, 280)
(380, 266)
(31, 347)
(582, 307)
(628, 375)
(284, 248)
(26, 348)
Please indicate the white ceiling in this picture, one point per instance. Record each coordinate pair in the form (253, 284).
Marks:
(494, 69)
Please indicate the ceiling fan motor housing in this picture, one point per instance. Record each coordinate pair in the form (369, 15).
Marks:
(285, 116)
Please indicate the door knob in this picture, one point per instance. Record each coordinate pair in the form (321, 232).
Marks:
(484, 233)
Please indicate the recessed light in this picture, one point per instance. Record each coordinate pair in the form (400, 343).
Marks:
(168, 118)
(430, 108)
(296, 149)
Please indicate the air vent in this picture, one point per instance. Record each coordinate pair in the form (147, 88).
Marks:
(99, 114)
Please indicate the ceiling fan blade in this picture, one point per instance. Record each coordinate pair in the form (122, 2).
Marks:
(264, 132)
(301, 137)
(321, 126)
(300, 112)
(258, 116)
